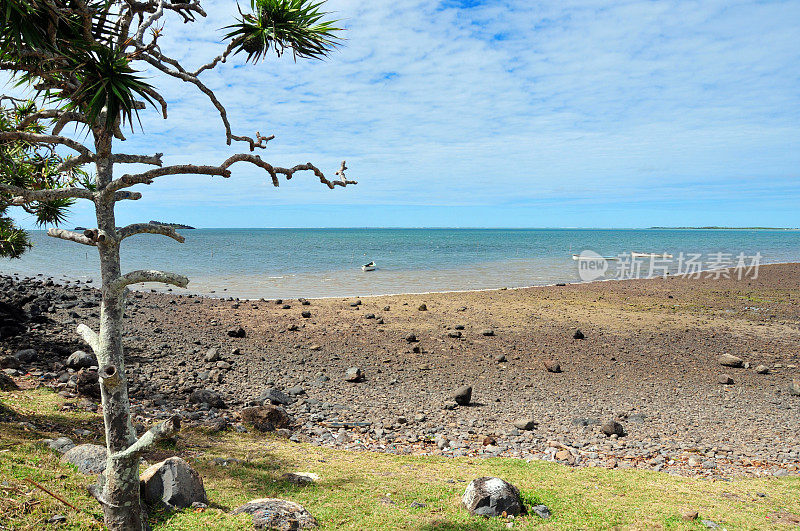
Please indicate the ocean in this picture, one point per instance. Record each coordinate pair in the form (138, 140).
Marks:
(290, 263)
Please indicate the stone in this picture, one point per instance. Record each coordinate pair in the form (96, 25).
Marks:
(172, 482)
(26, 355)
(552, 366)
(266, 418)
(88, 383)
(80, 360)
(275, 397)
(487, 332)
(207, 396)
(301, 478)
(487, 496)
(463, 395)
(525, 424)
(542, 511)
(274, 513)
(725, 379)
(305, 314)
(423, 307)
(296, 391)
(500, 358)
(794, 388)
(455, 334)
(88, 458)
(689, 515)
(212, 355)
(578, 334)
(411, 338)
(61, 445)
(729, 360)
(7, 383)
(612, 427)
(237, 332)
(353, 374)
(762, 369)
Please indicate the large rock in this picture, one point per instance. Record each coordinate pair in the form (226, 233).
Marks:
(463, 395)
(237, 332)
(275, 397)
(353, 374)
(6, 383)
(172, 482)
(61, 445)
(492, 497)
(273, 513)
(80, 360)
(612, 427)
(26, 355)
(266, 417)
(88, 458)
(552, 366)
(88, 383)
(729, 360)
(207, 396)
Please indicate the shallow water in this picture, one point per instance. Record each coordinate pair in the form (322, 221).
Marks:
(289, 263)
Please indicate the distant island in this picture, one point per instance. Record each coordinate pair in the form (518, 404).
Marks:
(727, 228)
(173, 225)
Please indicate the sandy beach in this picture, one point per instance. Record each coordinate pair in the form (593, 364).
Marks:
(649, 360)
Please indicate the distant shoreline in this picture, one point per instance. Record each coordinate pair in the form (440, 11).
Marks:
(724, 228)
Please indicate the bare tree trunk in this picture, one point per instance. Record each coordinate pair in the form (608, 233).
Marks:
(120, 490)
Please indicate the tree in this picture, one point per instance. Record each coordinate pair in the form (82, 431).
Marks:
(31, 166)
(83, 57)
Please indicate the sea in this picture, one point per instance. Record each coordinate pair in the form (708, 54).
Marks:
(313, 263)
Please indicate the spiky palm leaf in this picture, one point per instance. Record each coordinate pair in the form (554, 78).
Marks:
(281, 24)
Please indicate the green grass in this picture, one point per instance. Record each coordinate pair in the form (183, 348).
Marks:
(367, 490)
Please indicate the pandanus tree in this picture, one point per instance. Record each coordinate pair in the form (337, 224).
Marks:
(83, 59)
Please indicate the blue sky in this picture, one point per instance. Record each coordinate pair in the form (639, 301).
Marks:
(498, 113)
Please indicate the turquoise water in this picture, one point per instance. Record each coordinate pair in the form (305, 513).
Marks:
(289, 263)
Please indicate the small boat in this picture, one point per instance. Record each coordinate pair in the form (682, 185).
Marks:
(650, 255)
(368, 267)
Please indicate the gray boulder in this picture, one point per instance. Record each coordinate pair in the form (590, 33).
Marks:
(207, 396)
(729, 360)
(612, 427)
(275, 397)
(273, 513)
(88, 458)
(172, 482)
(463, 395)
(266, 418)
(80, 360)
(552, 366)
(489, 497)
(353, 374)
(61, 445)
(26, 355)
(525, 424)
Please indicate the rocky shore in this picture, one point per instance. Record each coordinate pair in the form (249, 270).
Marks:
(694, 377)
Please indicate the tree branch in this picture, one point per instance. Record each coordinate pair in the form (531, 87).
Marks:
(88, 335)
(220, 58)
(36, 138)
(149, 228)
(26, 195)
(70, 236)
(121, 158)
(150, 437)
(135, 277)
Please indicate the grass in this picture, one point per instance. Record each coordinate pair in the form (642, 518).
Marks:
(366, 490)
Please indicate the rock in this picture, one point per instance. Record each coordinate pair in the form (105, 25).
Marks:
(525, 424)
(794, 388)
(275, 397)
(212, 355)
(353, 374)
(500, 358)
(422, 308)
(306, 314)
(578, 334)
(710, 524)
(487, 332)
(463, 395)
(689, 515)
(7, 383)
(207, 396)
(9, 362)
(88, 458)
(411, 338)
(612, 427)
(542, 511)
(729, 360)
(552, 366)
(266, 418)
(490, 497)
(762, 369)
(88, 383)
(455, 334)
(281, 515)
(725, 379)
(80, 360)
(26, 355)
(61, 445)
(301, 478)
(417, 505)
(172, 482)
(237, 332)
(296, 391)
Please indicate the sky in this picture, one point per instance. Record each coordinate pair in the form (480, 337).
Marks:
(514, 113)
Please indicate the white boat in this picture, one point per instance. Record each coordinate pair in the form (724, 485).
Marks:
(368, 267)
(650, 255)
